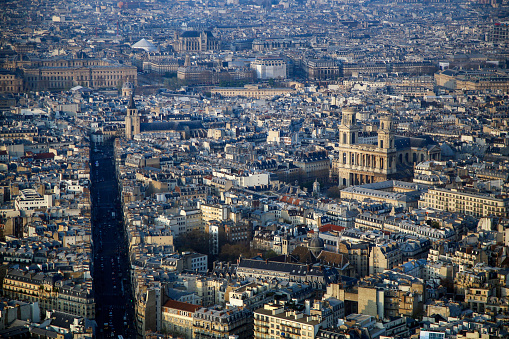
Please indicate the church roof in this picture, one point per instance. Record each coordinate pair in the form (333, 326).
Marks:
(170, 126)
(195, 34)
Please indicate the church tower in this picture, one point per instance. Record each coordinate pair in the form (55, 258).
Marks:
(132, 120)
(386, 133)
(349, 130)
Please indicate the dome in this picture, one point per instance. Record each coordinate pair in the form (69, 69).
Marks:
(316, 243)
(128, 85)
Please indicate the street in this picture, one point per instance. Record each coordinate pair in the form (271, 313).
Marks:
(114, 304)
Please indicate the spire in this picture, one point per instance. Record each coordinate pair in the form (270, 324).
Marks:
(131, 102)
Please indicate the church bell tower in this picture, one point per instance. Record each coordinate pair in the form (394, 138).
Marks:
(386, 133)
(349, 130)
(132, 120)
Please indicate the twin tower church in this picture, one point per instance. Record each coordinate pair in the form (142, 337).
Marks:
(391, 158)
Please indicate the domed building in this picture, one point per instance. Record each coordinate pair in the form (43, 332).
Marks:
(128, 89)
(316, 245)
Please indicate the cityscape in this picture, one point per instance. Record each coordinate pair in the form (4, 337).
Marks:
(254, 169)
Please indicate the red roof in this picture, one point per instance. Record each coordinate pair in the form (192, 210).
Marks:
(331, 227)
(44, 156)
(179, 305)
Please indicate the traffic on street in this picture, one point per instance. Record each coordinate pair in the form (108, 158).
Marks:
(113, 295)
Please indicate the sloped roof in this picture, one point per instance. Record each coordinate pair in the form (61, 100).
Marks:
(144, 44)
(179, 305)
(196, 34)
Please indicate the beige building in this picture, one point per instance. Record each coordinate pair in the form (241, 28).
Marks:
(251, 91)
(222, 323)
(51, 295)
(473, 80)
(397, 193)
(195, 75)
(314, 166)
(10, 82)
(367, 163)
(466, 203)
(384, 257)
(322, 69)
(63, 74)
(358, 256)
(177, 318)
(273, 321)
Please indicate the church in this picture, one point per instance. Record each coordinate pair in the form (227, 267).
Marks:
(391, 158)
(195, 41)
(136, 124)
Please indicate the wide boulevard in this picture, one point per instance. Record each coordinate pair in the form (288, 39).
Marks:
(114, 304)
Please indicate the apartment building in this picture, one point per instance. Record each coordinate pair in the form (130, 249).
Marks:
(318, 276)
(177, 318)
(358, 256)
(273, 320)
(77, 300)
(467, 203)
(384, 256)
(30, 199)
(212, 212)
(215, 322)
(313, 165)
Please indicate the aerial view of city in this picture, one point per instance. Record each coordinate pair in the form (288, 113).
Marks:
(254, 169)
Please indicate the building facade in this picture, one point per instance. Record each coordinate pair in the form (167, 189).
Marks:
(273, 321)
(322, 69)
(10, 82)
(365, 163)
(222, 323)
(195, 41)
(466, 203)
(63, 74)
(251, 92)
(177, 318)
(269, 68)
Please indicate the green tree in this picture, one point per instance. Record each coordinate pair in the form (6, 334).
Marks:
(270, 254)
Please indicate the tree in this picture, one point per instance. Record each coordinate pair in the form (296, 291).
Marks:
(195, 240)
(231, 252)
(333, 192)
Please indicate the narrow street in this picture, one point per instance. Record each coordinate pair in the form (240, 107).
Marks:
(114, 306)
